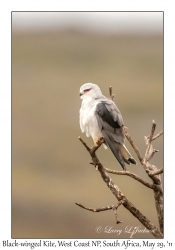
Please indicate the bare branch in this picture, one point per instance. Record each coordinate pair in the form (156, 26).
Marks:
(159, 171)
(95, 209)
(152, 131)
(151, 170)
(133, 145)
(110, 93)
(120, 196)
(156, 136)
(88, 149)
(132, 175)
(150, 152)
(127, 204)
(115, 207)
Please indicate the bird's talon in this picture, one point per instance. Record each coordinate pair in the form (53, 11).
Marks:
(97, 142)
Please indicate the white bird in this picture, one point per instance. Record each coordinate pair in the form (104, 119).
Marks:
(100, 117)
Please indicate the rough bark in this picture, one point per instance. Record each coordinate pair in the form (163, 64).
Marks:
(152, 171)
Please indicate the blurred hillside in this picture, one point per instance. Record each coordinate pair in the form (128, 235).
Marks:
(50, 167)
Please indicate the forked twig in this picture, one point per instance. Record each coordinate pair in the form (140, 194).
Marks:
(156, 136)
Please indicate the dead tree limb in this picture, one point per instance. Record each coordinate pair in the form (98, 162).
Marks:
(117, 192)
(156, 172)
(95, 209)
(132, 175)
(133, 145)
(113, 207)
(151, 171)
(156, 136)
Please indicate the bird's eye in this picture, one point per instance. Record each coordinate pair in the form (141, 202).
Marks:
(87, 90)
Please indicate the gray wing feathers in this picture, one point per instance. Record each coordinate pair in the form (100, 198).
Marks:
(115, 148)
(110, 121)
(111, 125)
(115, 113)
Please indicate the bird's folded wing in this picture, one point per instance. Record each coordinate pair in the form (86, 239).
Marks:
(110, 120)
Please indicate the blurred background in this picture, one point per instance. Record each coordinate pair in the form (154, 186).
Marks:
(53, 54)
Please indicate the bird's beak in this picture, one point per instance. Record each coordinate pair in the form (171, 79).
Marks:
(81, 94)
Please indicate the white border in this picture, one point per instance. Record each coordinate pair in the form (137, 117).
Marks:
(5, 93)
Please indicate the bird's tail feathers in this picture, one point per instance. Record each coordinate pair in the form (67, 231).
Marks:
(126, 155)
(115, 148)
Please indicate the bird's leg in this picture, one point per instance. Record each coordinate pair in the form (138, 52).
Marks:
(98, 142)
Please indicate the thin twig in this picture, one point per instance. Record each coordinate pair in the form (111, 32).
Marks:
(149, 151)
(156, 136)
(132, 175)
(88, 149)
(110, 93)
(95, 209)
(95, 147)
(152, 131)
(115, 207)
(133, 145)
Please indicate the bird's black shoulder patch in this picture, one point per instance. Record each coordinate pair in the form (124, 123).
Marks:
(103, 112)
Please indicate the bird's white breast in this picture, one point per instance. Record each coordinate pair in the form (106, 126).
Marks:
(88, 121)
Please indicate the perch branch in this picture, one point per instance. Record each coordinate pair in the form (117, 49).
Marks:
(88, 149)
(120, 196)
(151, 170)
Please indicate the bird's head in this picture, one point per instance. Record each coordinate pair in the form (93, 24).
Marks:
(89, 90)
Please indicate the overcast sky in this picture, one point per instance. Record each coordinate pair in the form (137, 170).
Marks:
(123, 22)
